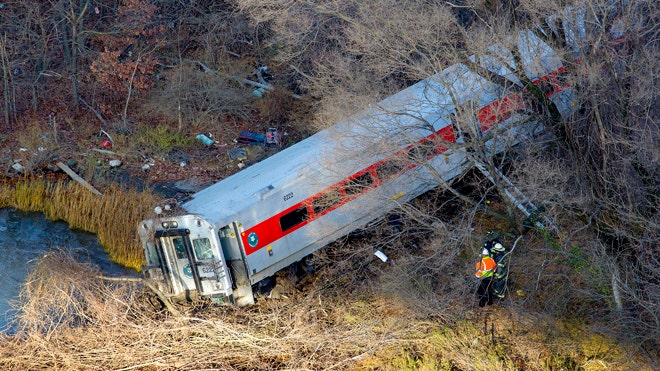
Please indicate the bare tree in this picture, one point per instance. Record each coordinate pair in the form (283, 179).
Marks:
(355, 52)
(27, 51)
(128, 60)
(204, 75)
(72, 36)
(6, 82)
(46, 42)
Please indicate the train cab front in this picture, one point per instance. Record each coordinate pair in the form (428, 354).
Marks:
(184, 258)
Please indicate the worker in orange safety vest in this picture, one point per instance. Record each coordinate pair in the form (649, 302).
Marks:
(486, 267)
(499, 254)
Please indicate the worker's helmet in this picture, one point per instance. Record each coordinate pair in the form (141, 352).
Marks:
(498, 247)
(485, 252)
(490, 234)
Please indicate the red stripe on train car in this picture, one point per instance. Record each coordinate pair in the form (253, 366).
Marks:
(552, 82)
(271, 229)
(445, 135)
(499, 110)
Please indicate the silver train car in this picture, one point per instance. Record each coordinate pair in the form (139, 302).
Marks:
(271, 214)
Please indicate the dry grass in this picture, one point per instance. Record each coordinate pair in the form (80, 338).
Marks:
(113, 216)
(415, 313)
(71, 320)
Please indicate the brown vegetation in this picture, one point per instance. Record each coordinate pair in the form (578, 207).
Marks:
(70, 319)
(584, 292)
(113, 217)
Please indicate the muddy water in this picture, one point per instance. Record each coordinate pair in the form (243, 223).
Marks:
(25, 237)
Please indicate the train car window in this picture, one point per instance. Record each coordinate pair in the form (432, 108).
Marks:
(152, 255)
(421, 151)
(293, 218)
(179, 247)
(203, 249)
(358, 184)
(388, 170)
(326, 200)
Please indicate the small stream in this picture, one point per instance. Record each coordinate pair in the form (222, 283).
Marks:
(25, 237)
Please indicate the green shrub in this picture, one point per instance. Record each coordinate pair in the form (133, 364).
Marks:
(162, 139)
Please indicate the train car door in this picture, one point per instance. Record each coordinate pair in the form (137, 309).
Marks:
(235, 258)
(178, 249)
(211, 267)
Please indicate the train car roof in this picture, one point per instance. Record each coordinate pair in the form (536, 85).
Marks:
(339, 151)
(326, 157)
(365, 138)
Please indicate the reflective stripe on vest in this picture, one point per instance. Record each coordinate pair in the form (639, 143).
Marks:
(485, 267)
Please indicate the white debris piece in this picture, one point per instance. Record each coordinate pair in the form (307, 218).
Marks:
(18, 167)
(381, 256)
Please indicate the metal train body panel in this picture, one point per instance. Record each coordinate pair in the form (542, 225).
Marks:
(277, 211)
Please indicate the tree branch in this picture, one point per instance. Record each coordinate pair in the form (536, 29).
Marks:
(98, 115)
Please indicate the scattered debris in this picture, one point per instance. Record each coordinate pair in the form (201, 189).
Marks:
(18, 167)
(127, 53)
(381, 256)
(237, 154)
(149, 164)
(247, 137)
(104, 151)
(188, 186)
(264, 74)
(270, 138)
(114, 163)
(205, 140)
(273, 138)
(106, 134)
(78, 179)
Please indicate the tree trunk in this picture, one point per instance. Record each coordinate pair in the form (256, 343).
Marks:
(75, 20)
(616, 291)
(5, 79)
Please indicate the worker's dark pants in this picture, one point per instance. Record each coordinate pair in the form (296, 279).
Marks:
(498, 287)
(485, 291)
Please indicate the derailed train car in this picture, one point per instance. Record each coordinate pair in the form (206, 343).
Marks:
(269, 215)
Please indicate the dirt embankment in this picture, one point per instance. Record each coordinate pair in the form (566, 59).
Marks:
(104, 158)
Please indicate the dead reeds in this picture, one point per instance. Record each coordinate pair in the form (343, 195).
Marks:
(113, 217)
(69, 319)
